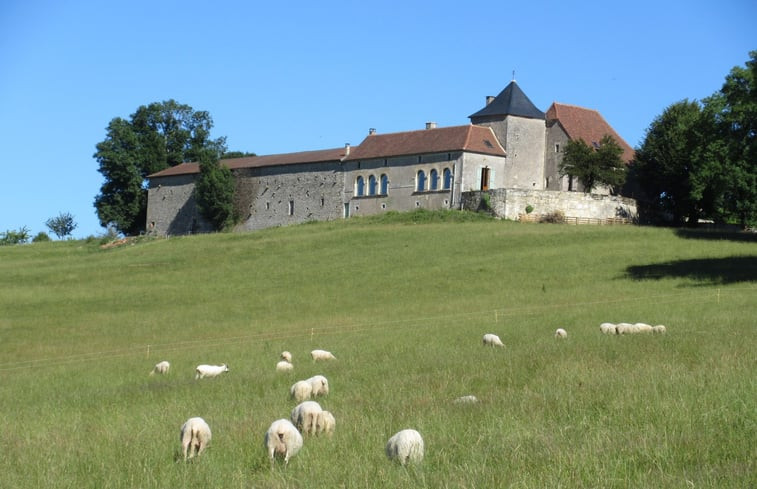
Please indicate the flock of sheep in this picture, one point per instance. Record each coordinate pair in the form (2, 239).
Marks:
(284, 436)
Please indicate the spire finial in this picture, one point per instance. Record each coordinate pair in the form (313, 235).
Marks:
(513, 76)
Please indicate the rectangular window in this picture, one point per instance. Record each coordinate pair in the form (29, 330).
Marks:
(291, 208)
(557, 148)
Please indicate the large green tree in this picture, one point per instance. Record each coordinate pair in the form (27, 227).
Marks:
(156, 136)
(592, 166)
(214, 191)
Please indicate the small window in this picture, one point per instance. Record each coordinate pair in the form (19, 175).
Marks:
(359, 186)
(322, 201)
(384, 185)
(557, 148)
(291, 208)
(447, 179)
(383, 205)
(371, 185)
(433, 180)
(420, 184)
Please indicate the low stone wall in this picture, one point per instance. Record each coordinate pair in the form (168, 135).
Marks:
(577, 207)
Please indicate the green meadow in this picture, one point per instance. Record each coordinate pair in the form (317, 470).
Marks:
(402, 301)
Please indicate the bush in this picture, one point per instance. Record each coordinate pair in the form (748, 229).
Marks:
(41, 237)
(14, 237)
(554, 217)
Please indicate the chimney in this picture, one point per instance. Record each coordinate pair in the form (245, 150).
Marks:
(372, 131)
(346, 149)
(431, 125)
(489, 99)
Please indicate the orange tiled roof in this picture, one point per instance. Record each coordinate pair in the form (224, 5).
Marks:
(586, 124)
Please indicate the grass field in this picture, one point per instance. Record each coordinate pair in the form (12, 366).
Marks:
(402, 301)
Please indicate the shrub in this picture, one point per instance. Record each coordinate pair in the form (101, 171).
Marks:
(554, 217)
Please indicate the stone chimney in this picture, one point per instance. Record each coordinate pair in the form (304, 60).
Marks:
(431, 125)
(490, 99)
(372, 131)
(346, 149)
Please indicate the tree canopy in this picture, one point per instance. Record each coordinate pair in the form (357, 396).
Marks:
(156, 137)
(214, 191)
(62, 225)
(602, 165)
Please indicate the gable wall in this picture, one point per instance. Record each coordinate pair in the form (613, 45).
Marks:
(171, 207)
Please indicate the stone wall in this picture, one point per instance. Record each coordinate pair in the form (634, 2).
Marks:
(512, 203)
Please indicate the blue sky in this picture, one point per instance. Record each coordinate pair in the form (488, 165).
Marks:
(299, 76)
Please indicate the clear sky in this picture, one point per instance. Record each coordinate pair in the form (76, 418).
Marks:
(280, 77)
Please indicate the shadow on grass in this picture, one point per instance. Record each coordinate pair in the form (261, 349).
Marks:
(709, 270)
(717, 235)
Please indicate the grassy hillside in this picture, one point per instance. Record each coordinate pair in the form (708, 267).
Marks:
(402, 301)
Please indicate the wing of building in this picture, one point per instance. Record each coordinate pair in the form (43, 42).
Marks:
(510, 145)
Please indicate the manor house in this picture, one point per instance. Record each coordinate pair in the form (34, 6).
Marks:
(510, 150)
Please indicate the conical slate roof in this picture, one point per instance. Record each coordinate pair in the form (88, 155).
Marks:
(511, 101)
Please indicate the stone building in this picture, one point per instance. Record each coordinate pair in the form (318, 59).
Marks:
(510, 145)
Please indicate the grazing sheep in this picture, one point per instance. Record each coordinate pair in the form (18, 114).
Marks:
(322, 355)
(195, 436)
(286, 356)
(607, 328)
(284, 366)
(161, 368)
(305, 417)
(282, 438)
(326, 423)
(319, 385)
(301, 390)
(643, 328)
(660, 328)
(561, 333)
(625, 328)
(466, 400)
(492, 340)
(210, 370)
(405, 446)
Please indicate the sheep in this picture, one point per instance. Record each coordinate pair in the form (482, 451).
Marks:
(161, 368)
(195, 436)
(326, 423)
(322, 355)
(319, 385)
(625, 328)
(660, 328)
(284, 366)
(305, 417)
(210, 371)
(405, 446)
(470, 399)
(286, 356)
(561, 333)
(607, 328)
(301, 390)
(643, 328)
(492, 340)
(282, 438)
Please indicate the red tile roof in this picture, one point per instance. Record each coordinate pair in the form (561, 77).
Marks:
(318, 156)
(586, 124)
(476, 139)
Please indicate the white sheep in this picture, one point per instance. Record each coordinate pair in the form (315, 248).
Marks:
(284, 366)
(210, 370)
(322, 355)
(282, 438)
(607, 328)
(470, 399)
(301, 390)
(660, 328)
(319, 385)
(625, 328)
(492, 340)
(161, 368)
(285, 355)
(326, 423)
(561, 333)
(305, 417)
(195, 436)
(643, 328)
(405, 446)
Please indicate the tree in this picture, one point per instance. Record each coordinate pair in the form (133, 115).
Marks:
(214, 191)
(602, 165)
(62, 225)
(14, 237)
(157, 136)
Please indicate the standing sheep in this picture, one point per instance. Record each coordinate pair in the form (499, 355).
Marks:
(319, 385)
(405, 446)
(322, 355)
(195, 436)
(286, 356)
(284, 366)
(301, 390)
(607, 328)
(209, 371)
(660, 328)
(326, 423)
(305, 417)
(282, 438)
(161, 368)
(492, 340)
(561, 333)
(643, 328)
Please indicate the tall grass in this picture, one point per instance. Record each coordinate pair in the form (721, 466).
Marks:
(403, 302)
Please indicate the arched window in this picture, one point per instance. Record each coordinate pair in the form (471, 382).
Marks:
(433, 180)
(359, 186)
(384, 185)
(447, 177)
(371, 185)
(420, 185)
